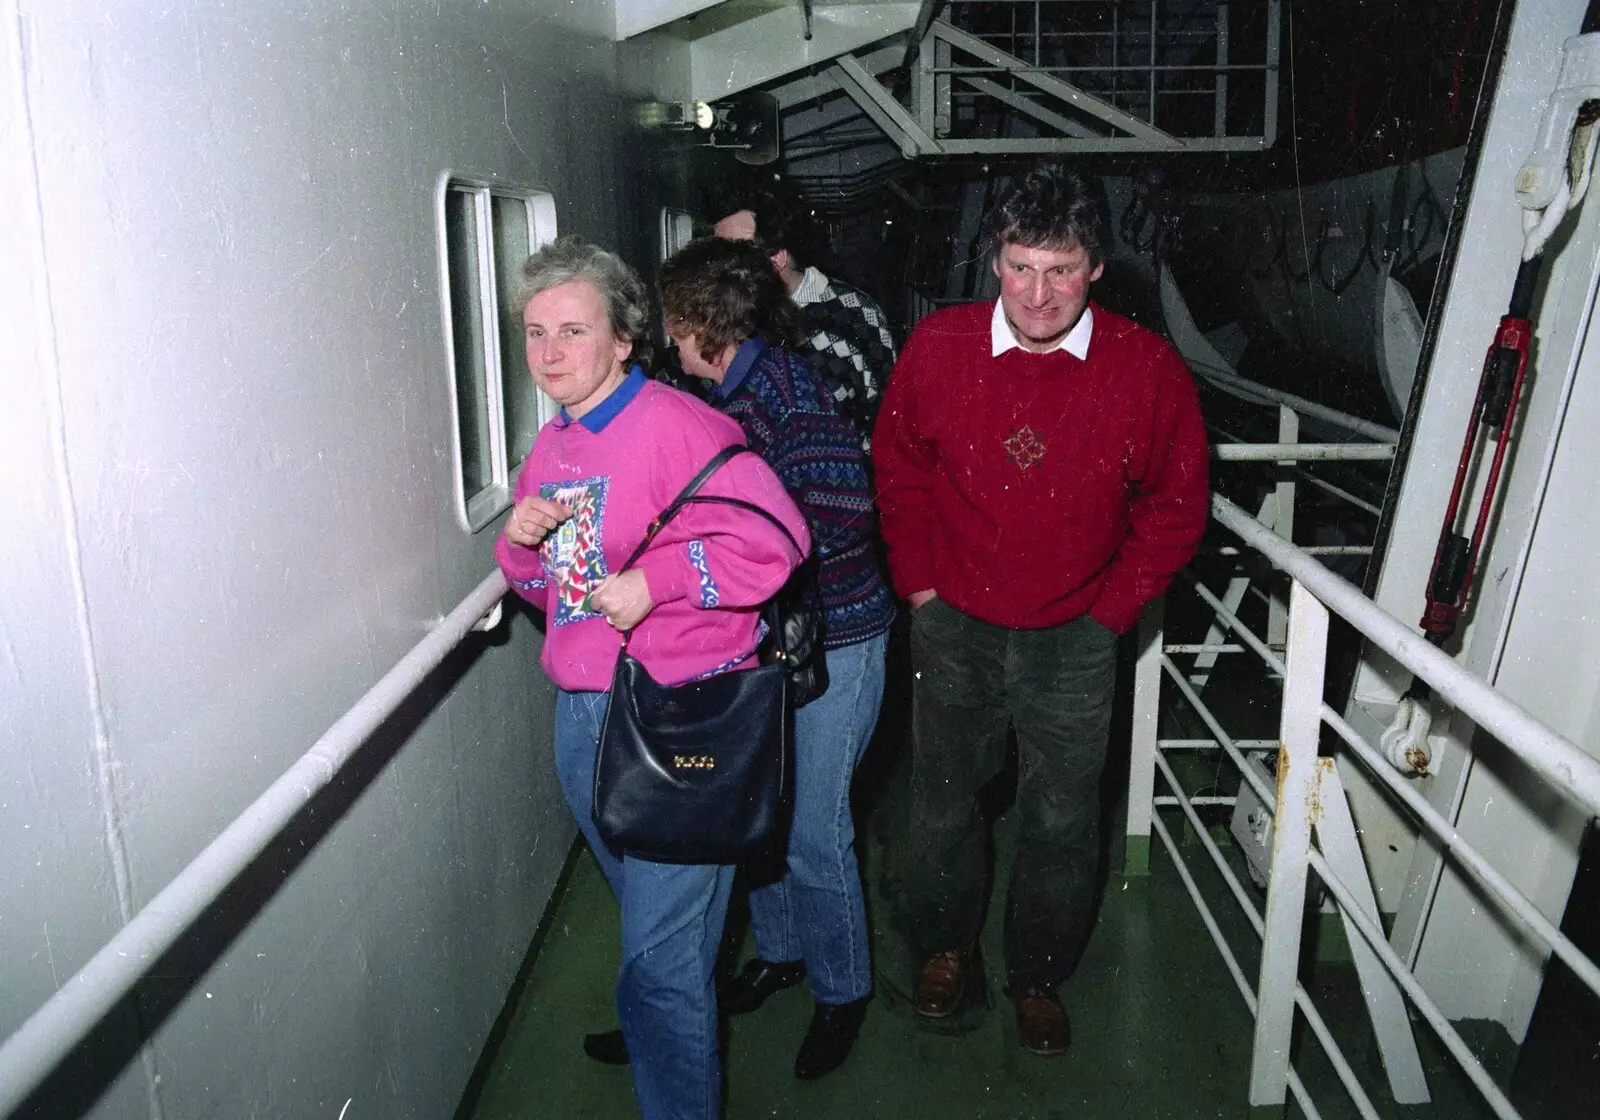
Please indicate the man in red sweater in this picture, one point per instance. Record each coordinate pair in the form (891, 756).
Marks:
(1042, 474)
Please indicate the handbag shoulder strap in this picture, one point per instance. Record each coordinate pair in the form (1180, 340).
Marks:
(713, 499)
(690, 494)
(689, 491)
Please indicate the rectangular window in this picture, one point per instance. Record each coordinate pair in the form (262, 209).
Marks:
(487, 232)
(677, 230)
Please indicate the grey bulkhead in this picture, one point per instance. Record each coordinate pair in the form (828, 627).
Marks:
(229, 508)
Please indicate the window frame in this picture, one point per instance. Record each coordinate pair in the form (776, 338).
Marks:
(675, 230)
(478, 510)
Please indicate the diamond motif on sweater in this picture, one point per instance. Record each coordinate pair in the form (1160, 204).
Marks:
(1024, 448)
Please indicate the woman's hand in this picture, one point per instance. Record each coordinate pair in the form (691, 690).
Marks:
(624, 599)
(533, 519)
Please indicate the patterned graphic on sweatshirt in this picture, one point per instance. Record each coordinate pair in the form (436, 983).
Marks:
(573, 552)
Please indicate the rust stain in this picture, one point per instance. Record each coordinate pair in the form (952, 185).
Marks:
(1324, 765)
(1417, 758)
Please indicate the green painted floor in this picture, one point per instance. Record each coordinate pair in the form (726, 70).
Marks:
(1159, 1029)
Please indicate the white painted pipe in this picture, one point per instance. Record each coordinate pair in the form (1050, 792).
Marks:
(1211, 744)
(1310, 549)
(51, 1032)
(1245, 389)
(1561, 763)
(1296, 452)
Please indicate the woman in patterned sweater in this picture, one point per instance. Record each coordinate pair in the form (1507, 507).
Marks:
(733, 323)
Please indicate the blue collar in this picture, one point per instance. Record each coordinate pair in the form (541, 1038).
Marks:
(749, 350)
(606, 411)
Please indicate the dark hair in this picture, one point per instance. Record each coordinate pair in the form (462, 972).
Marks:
(725, 292)
(782, 222)
(1048, 208)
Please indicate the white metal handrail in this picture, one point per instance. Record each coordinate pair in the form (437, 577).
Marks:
(1295, 452)
(1563, 764)
(1254, 392)
(1513, 902)
(1304, 780)
(50, 1033)
(1232, 440)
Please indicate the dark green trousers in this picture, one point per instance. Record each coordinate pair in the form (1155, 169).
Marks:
(972, 681)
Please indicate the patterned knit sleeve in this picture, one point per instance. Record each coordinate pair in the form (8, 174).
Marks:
(878, 341)
(875, 340)
(852, 350)
(817, 454)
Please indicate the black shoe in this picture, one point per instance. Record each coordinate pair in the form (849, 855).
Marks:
(833, 1031)
(750, 989)
(608, 1047)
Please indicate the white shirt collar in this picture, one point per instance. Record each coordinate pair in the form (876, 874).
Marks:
(1074, 342)
(813, 285)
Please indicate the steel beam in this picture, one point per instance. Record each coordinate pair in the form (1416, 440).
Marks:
(1069, 146)
(1032, 108)
(1391, 1023)
(885, 111)
(1079, 99)
(1146, 718)
(812, 86)
(638, 16)
(764, 48)
(1298, 731)
(919, 30)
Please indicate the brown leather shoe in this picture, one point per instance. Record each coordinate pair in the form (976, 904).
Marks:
(942, 983)
(1042, 1024)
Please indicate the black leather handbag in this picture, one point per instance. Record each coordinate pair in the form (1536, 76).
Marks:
(800, 619)
(698, 772)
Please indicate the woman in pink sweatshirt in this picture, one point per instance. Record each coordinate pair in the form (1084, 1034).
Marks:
(621, 449)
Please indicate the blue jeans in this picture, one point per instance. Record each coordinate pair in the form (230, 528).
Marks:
(672, 917)
(815, 911)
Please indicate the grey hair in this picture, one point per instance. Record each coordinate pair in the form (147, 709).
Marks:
(571, 258)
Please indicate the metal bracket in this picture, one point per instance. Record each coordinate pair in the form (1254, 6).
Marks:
(492, 619)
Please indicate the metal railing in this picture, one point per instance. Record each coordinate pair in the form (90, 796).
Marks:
(1308, 800)
(1374, 443)
(50, 1033)
(1101, 75)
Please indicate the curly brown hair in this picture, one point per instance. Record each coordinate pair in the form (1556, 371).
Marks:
(724, 292)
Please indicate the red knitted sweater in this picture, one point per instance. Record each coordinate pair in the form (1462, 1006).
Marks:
(1030, 489)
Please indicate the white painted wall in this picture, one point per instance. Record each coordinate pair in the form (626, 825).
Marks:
(225, 432)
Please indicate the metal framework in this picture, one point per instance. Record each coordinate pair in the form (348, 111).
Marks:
(1101, 76)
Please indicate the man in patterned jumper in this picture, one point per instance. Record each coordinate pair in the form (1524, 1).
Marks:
(846, 331)
(1041, 471)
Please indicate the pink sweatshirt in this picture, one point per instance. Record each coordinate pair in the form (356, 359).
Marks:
(708, 570)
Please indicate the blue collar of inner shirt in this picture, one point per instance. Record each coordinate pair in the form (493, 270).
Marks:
(749, 350)
(606, 411)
